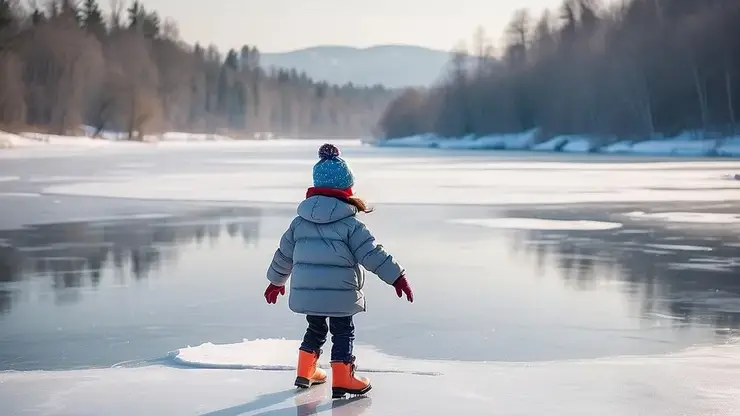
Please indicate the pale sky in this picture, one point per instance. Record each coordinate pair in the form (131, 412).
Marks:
(281, 25)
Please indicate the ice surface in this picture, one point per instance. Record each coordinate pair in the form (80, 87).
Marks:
(126, 217)
(687, 217)
(19, 195)
(422, 182)
(538, 224)
(700, 381)
(9, 178)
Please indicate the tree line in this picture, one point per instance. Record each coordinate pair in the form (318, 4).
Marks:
(65, 63)
(627, 69)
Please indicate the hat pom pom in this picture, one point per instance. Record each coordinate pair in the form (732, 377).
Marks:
(328, 151)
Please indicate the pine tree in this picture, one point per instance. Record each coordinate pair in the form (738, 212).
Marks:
(232, 60)
(92, 18)
(151, 24)
(69, 9)
(244, 58)
(135, 14)
(6, 14)
(37, 17)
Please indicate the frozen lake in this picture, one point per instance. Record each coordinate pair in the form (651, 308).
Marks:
(117, 258)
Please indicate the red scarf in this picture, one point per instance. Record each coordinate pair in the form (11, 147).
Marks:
(343, 194)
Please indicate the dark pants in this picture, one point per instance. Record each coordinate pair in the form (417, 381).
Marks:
(342, 336)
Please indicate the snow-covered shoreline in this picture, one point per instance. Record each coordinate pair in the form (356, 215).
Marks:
(32, 140)
(686, 144)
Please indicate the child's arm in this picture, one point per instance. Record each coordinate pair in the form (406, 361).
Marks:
(282, 261)
(373, 256)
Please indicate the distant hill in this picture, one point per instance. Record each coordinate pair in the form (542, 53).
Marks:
(390, 65)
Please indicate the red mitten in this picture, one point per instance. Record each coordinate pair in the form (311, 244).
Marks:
(402, 286)
(272, 291)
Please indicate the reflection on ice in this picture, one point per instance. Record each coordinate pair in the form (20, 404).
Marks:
(665, 280)
(75, 254)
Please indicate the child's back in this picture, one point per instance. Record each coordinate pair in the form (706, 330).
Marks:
(323, 251)
(327, 245)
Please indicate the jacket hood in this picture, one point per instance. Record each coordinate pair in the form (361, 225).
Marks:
(321, 209)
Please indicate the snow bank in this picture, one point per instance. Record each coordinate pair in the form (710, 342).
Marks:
(685, 144)
(91, 131)
(624, 146)
(58, 145)
(9, 140)
(51, 141)
(551, 145)
(538, 224)
(578, 145)
(517, 141)
(421, 140)
(730, 147)
(700, 381)
(188, 137)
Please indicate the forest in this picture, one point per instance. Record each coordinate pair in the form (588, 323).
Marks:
(633, 69)
(65, 63)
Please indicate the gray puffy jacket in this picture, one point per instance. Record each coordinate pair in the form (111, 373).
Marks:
(323, 249)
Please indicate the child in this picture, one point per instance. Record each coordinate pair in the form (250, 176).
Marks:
(323, 250)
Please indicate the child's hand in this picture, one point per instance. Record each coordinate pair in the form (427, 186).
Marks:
(402, 286)
(272, 291)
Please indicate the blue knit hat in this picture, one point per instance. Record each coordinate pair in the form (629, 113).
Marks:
(331, 171)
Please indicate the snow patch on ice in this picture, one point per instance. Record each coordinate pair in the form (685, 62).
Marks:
(687, 217)
(9, 178)
(538, 224)
(679, 247)
(704, 267)
(664, 316)
(279, 354)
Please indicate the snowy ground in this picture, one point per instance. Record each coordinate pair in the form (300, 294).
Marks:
(446, 215)
(682, 145)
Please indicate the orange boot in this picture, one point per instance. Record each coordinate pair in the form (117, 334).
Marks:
(309, 372)
(344, 380)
